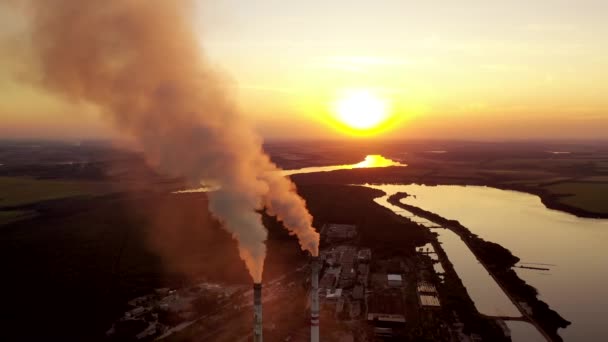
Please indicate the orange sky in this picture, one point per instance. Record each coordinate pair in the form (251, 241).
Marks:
(481, 70)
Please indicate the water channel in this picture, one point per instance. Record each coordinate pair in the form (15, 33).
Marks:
(572, 248)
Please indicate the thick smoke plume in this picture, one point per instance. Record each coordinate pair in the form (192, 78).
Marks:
(139, 61)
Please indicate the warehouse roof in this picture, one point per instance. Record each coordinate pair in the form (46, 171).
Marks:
(394, 277)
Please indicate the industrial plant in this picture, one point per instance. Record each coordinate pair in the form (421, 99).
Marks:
(350, 292)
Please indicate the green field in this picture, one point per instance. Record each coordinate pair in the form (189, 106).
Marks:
(589, 196)
(15, 191)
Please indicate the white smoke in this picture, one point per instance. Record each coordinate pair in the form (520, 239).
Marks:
(140, 63)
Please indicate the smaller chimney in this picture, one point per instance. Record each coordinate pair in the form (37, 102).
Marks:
(257, 312)
(314, 300)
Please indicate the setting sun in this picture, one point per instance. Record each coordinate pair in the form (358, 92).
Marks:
(361, 110)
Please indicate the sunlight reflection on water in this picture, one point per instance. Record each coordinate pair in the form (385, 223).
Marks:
(376, 160)
(370, 161)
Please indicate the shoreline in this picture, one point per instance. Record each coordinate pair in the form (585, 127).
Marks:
(498, 261)
(549, 200)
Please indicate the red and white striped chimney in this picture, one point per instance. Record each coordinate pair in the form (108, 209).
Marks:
(314, 301)
(257, 312)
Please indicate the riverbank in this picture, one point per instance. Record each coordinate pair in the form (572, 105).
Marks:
(498, 262)
(550, 200)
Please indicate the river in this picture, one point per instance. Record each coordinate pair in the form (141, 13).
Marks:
(572, 248)
(370, 161)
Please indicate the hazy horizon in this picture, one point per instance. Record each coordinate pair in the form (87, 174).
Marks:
(122, 142)
(476, 71)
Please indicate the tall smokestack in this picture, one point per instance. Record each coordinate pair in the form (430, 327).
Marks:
(314, 301)
(257, 312)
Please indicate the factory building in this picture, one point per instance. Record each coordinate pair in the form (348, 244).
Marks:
(427, 295)
(364, 255)
(328, 281)
(363, 276)
(395, 280)
(386, 312)
(429, 301)
(358, 292)
(338, 232)
(333, 294)
(426, 287)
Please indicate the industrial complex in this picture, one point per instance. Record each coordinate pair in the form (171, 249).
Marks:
(372, 293)
(355, 293)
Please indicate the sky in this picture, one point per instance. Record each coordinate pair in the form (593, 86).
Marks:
(475, 70)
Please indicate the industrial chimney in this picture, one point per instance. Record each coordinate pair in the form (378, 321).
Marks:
(257, 312)
(314, 299)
